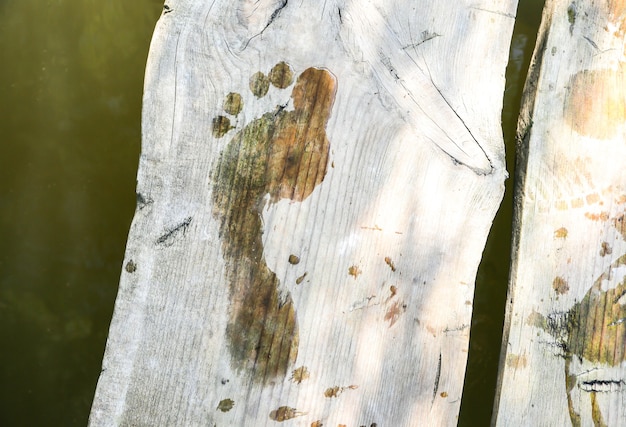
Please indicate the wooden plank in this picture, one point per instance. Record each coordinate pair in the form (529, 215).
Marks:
(565, 334)
(316, 184)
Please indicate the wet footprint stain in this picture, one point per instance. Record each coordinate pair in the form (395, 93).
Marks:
(281, 155)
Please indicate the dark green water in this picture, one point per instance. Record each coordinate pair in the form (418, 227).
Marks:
(71, 87)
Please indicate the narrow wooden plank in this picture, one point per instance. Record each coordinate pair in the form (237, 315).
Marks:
(316, 184)
(565, 333)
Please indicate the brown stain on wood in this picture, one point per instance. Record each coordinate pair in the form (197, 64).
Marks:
(285, 413)
(560, 285)
(226, 405)
(354, 271)
(337, 390)
(560, 233)
(595, 103)
(390, 263)
(516, 361)
(300, 374)
(283, 154)
(394, 312)
(605, 249)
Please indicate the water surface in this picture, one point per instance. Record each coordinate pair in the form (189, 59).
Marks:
(71, 87)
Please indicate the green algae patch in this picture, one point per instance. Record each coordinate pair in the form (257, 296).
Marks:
(233, 103)
(259, 84)
(283, 154)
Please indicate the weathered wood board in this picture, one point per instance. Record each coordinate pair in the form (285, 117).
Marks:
(316, 185)
(565, 333)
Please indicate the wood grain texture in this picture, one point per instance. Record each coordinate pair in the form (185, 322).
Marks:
(316, 185)
(565, 333)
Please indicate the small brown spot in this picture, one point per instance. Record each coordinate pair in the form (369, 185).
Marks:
(537, 320)
(221, 125)
(281, 75)
(389, 262)
(443, 394)
(333, 391)
(226, 405)
(354, 271)
(602, 216)
(516, 361)
(233, 103)
(301, 278)
(394, 312)
(560, 285)
(317, 423)
(336, 391)
(592, 198)
(293, 259)
(285, 413)
(131, 267)
(393, 291)
(560, 233)
(259, 84)
(468, 302)
(605, 249)
(300, 374)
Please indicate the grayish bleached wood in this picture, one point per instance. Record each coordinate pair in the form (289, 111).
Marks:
(398, 162)
(565, 332)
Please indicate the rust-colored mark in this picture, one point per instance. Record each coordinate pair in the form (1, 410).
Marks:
(259, 84)
(443, 394)
(354, 271)
(336, 391)
(285, 413)
(592, 198)
(281, 75)
(300, 374)
(395, 311)
(390, 263)
(621, 199)
(233, 103)
(221, 125)
(293, 259)
(283, 154)
(317, 423)
(226, 405)
(595, 104)
(301, 278)
(620, 225)
(601, 216)
(393, 290)
(560, 233)
(131, 267)
(560, 285)
(605, 249)
(516, 361)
